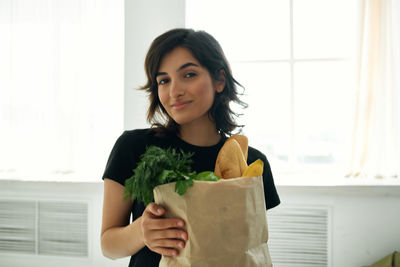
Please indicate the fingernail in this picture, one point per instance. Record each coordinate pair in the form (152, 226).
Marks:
(159, 210)
(183, 236)
(180, 223)
(181, 245)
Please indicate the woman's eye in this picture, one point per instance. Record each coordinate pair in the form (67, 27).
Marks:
(163, 81)
(190, 74)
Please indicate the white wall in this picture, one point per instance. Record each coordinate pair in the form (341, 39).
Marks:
(365, 220)
(144, 21)
(91, 192)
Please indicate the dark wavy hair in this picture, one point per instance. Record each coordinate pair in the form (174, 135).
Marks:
(210, 55)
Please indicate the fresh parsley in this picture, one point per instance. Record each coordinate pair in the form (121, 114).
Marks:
(159, 166)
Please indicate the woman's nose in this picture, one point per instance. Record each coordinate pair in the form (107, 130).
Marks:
(176, 89)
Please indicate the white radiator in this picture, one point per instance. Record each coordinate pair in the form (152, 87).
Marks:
(40, 227)
(300, 236)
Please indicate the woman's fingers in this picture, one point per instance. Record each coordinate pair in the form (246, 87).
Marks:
(158, 210)
(157, 223)
(169, 243)
(168, 247)
(155, 209)
(165, 251)
(170, 234)
(173, 237)
(160, 224)
(161, 235)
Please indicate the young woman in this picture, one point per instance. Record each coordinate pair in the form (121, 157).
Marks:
(190, 87)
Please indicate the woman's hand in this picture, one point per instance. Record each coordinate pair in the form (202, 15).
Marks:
(161, 235)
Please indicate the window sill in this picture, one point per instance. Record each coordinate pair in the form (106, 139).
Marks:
(327, 179)
(281, 179)
(51, 177)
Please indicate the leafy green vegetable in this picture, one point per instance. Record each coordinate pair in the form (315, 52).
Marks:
(207, 176)
(182, 185)
(161, 166)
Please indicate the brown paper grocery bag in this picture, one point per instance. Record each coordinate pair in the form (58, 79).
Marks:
(225, 220)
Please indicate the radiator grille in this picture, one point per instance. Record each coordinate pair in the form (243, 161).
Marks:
(17, 226)
(299, 236)
(63, 229)
(44, 227)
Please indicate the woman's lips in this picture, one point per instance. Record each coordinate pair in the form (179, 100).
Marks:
(180, 105)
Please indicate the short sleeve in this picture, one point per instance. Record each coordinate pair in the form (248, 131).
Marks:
(271, 195)
(270, 192)
(119, 164)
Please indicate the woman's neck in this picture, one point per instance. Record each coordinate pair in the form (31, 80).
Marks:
(200, 135)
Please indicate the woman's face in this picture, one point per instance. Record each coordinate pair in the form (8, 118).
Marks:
(185, 88)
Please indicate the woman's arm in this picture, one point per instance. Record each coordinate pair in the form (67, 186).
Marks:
(121, 239)
(118, 237)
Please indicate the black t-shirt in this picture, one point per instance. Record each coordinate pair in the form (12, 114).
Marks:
(125, 156)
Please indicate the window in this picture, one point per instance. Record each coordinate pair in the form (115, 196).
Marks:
(61, 86)
(296, 61)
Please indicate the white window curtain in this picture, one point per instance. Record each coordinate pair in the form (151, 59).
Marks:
(376, 138)
(61, 86)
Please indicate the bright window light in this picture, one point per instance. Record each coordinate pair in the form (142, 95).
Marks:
(62, 87)
(296, 62)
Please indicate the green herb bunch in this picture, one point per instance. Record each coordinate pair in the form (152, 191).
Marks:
(159, 166)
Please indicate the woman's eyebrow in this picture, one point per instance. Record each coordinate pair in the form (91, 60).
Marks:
(187, 65)
(180, 68)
